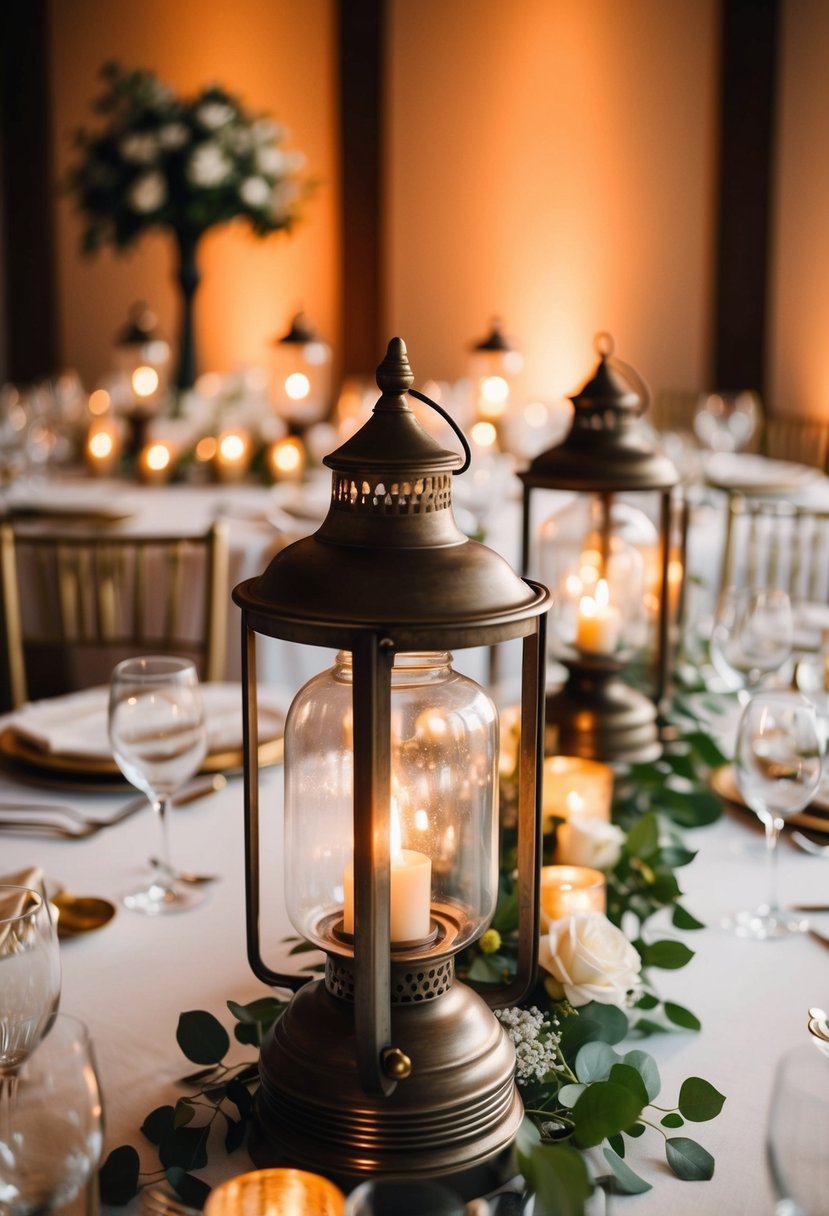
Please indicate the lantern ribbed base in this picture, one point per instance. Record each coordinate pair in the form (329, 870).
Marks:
(454, 1119)
(606, 721)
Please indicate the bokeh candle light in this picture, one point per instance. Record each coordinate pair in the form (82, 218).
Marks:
(599, 624)
(569, 889)
(574, 786)
(155, 463)
(232, 456)
(103, 447)
(286, 459)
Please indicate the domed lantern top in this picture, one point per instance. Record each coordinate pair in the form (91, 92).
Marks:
(390, 547)
(605, 448)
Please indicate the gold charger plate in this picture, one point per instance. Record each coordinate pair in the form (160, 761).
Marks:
(815, 818)
(26, 759)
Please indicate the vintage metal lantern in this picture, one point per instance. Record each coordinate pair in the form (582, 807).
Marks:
(390, 1065)
(494, 364)
(301, 375)
(607, 562)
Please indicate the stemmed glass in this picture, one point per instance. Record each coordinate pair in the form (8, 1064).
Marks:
(725, 422)
(778, 768)
(796, 1133)
(159, 739)
(50, 1148)
(29, 978)
(752, 636)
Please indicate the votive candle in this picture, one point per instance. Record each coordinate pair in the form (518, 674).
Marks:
(568, 889)
(573, 786)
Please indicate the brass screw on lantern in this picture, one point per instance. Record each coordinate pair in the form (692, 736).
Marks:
(389, 1065)
(599, 583)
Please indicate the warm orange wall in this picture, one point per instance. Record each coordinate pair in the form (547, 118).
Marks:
(553, 161)
(280, 56)
(799, 333)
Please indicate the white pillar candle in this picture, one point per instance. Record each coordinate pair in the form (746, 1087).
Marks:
(598, 624)
(410, 897)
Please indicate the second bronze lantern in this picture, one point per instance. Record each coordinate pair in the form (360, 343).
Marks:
(389, 1065)
(608, 567)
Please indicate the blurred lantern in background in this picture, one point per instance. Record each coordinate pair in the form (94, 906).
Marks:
(139, 386)
(301, 376)
(608, 566)
(494, 365)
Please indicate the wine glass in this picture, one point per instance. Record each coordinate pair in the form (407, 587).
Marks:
(751, 636)
(796, 1133)
(52, 1143)
(725, 422)
(159, 739)
(29, 975)
(778, 768)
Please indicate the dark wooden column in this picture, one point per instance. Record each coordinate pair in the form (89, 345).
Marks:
(748, 94)
(29, 311)
(361, 50)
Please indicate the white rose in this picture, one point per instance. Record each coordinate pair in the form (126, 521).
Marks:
(589, 842)
(214, 114)
(173, 135)
(147, 193)
(139, 149)
(271, 160)
(265, 130)
(589, 959)
(254, 192)
(208, 166)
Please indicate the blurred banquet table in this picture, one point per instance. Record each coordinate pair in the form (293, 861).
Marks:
(130, 980)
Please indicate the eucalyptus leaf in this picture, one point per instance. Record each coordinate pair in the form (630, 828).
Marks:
(626, 1181)
(559, 1178)
(195, 1078)
(594, 1062)
(627, 1076)
(604, 1109)
(248, 1073)
(647, 1000)
(672, 1120)
(118, 1176)
(158, 1124)
(680, 1016)
(683, 919)
(202, 1037)
(643, 838)
(239, 1095)
(689, 1160)
(646, 1026)
(606, 1023)
(186, 1147)
(705, 747)
(617, 1143)
(675, 856)
(262, 1012)
(247, 1033)
(667, 954)
(235, 1133)
(192, 1190)
(648, 1070)
(699, 1101)
(636, 1131)
(184, 1113)
(569, 1095)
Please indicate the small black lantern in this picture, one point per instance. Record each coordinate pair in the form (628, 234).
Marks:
(608, 567)
(389, 1065)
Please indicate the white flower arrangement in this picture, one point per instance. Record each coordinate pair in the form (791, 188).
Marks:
(186, 164)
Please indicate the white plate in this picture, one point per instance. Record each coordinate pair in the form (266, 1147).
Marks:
(757, 474)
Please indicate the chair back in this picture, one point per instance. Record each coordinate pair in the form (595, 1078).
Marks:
(803, 440)
(774, 543)
(75, 604)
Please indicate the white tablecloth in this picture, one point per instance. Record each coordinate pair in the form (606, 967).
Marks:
(131, 980)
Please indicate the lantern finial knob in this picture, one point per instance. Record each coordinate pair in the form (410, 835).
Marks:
(394, 374)
(604, 345)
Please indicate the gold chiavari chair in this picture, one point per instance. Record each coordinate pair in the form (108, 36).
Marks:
(800, 439)
(73, 605)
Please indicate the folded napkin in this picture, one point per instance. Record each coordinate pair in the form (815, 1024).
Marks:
(76, 724)
(12, 903)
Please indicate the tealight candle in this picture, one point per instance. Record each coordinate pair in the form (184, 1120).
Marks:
(598, 625)
(103, 446)
(277, 1192)
(568, 889)
(573, 786)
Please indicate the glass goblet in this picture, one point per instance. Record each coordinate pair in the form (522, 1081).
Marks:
(796, 1133)
(725, 422)
(158, 736)
(751, 636)
(29, 976)
(51, 1144)
(778, 769)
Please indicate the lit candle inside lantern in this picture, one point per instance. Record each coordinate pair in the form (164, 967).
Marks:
(576, 787)
(275, 1192)
(599, 624)
(145, 382)
(410, 894)
(568, 889)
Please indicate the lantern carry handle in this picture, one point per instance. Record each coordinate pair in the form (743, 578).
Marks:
(467, 452)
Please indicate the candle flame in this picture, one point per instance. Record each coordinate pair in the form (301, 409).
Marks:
(297, 386)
